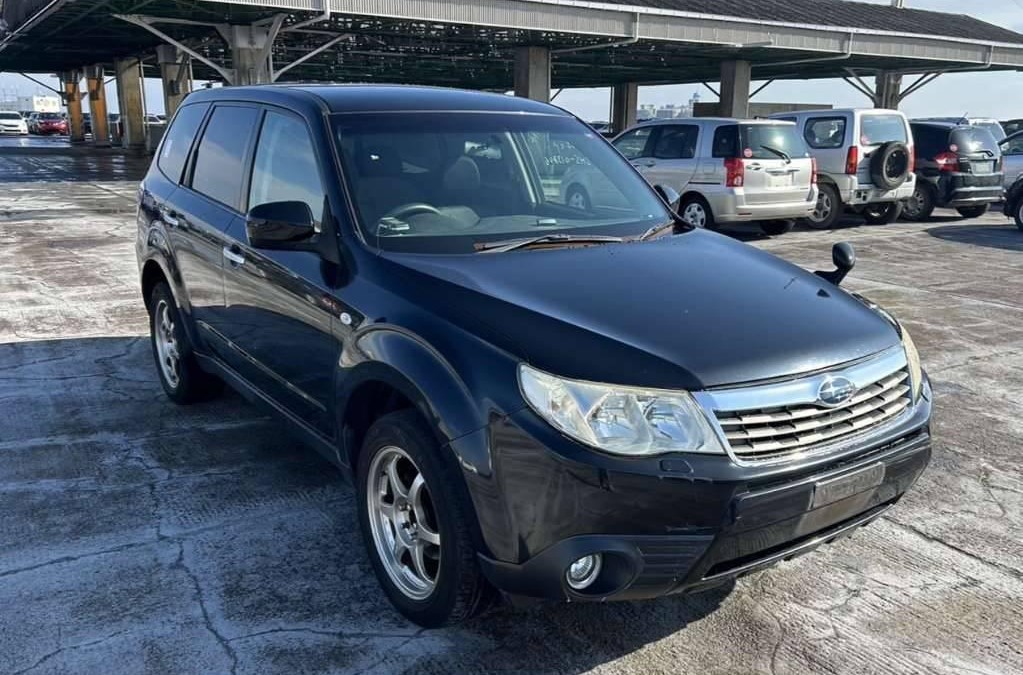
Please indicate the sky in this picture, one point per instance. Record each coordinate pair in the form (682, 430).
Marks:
(978, 94)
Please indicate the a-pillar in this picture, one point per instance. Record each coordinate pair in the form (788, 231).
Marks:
(887, 90)
(73, 100)
(533, 73)
(624, 105)
(176, 74)
(97, 106)
(735, 83)
(130, 103)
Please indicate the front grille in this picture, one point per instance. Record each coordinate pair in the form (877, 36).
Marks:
(770, 433)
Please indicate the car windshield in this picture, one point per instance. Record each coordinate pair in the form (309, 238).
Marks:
(9, 116)
(49, 116)
(451, 182)
(972, 139)
(878, 129)
(766, 141)
(995, 128)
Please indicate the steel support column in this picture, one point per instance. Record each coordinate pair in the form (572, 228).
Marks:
(533, 73)
(73, 100)
(887, 90)
(99, 121)
(250, 52)
(624, 105)
(735, 86)
(130, 104)
(176, 74)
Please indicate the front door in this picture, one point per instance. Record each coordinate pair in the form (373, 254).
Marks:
(673, 160)
(279, 304)
(1012, 158)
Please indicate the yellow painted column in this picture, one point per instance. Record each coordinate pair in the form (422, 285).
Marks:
(73, 94)
(98, 107)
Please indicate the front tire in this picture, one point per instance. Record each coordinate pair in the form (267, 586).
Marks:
(882, 214)
(921, 205)
(416, 521)
(1018, 216)
(176, 365)
(777, 228)
(973, 211)
(828, 208)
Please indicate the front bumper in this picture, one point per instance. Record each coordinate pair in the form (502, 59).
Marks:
(680, 525)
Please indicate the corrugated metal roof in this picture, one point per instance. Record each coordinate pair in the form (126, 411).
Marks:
(840, 13)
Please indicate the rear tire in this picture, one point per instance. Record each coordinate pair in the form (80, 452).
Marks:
(828, 209)
(695, 211)
(176, 365)
(443, 584)
(1018, 216)
(777, 228)
(973, 211)
(921, 205)
(882, 214)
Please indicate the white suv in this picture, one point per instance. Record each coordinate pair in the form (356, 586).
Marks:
(865, 160)
(727, 170)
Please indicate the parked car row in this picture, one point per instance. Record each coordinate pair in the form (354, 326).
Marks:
(815, 166)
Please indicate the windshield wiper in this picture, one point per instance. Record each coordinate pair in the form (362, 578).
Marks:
(777, 152)
(513, 244)
(656, 230)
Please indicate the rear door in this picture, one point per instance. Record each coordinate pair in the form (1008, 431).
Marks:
(279, 306)
(978, 152)
(673, 157)
(206, 207)
(778, 168)
(826, 136)
(876, 129)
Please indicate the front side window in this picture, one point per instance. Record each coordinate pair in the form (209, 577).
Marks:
(1012, 145)
(177, 141)
(220, 157)
(632, 144)
(824, 133)
(677, 142)
(879, 129)
(285, 167)
(452, 181)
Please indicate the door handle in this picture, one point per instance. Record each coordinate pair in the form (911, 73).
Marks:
(169, 217)
(644, 165)
(235, 257)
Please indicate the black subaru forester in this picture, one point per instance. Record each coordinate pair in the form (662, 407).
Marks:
(550, 401)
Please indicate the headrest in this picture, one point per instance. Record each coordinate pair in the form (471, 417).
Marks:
(462, 175)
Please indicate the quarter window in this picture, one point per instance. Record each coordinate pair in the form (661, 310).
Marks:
(178, 140)
(633, 143)
(726, 141)
(677, 142)
(286, 168)
(823, 133)
(220, 157)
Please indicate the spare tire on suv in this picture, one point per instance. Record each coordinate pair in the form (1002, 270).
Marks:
(889, 165)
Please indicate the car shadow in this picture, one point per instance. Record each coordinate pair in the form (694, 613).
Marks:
(104, 473)
(1007, 237)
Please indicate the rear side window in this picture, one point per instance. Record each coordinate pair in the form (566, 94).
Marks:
(178, 140)
(824, 133)
(285, 168)
(970, 140)
(633, 143)
(219, 160)
(677, 142)
(878, 129)
(726, 141)
(929, 141)
(771, 141)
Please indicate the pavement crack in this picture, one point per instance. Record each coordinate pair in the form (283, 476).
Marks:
(201, 598)
(1011, 571)
(69, 648)
(73, 558)
(340, 634)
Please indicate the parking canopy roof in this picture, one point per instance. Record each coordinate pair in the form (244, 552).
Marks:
(471, 44)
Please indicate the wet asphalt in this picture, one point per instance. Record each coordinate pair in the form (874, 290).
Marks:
(141, 537)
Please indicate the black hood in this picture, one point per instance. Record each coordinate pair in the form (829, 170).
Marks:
(691, 311)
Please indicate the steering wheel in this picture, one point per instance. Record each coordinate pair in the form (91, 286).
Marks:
(406, 211)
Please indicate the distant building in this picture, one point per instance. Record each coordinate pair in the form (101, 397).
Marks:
(35, 103)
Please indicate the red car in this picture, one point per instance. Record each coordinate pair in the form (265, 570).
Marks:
(45, 124)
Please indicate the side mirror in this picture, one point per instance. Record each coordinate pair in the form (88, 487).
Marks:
(283, 226)
(843, 255)
(670, 196)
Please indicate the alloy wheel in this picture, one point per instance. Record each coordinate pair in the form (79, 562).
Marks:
(822, 210)
(167, 344)
(914, 205)
(695, 215)
(403, 521)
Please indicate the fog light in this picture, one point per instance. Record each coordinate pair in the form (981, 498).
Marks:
(584, 571)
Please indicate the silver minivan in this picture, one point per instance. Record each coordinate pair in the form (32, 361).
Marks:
(727, 170)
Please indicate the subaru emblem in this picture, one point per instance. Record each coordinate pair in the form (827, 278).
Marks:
(835, 390)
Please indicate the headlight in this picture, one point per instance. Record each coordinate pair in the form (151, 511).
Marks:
(916, 374)
(620, 420)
